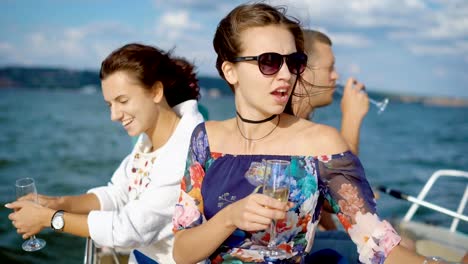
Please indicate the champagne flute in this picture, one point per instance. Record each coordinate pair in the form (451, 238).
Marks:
(381, 105)
(276, 185)
(26, 186)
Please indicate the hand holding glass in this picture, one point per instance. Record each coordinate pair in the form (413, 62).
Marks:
(381, 105)
(24, 187)
(276, 185)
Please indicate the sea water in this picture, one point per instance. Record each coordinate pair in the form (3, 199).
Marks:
(65, 140)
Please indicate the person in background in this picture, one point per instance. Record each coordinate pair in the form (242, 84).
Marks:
(316, 89)
(318, 84)
(220, 216)
(152, 95)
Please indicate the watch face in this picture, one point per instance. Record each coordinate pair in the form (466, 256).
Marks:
(57, 222)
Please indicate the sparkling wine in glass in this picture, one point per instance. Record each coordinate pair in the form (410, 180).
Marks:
(26, 186)
(276, 185)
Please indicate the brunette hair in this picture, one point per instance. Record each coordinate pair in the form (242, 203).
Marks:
(147, 65)
(227, 43)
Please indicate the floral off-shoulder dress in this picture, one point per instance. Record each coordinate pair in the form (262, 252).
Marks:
(212, 181)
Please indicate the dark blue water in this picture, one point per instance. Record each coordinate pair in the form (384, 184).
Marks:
(66, 141)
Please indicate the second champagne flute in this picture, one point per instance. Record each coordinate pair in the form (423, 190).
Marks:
(26, 186)
(276, 185)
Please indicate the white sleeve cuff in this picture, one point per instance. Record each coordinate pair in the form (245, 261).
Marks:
(104, 198)
(100, 227)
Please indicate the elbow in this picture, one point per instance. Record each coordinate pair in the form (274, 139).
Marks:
(178, 258)
(176, 254)
(179, 253)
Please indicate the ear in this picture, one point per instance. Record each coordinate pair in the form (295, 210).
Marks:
(157, 92)
(229, 72)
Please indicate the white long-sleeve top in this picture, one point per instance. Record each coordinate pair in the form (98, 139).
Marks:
(138, 203)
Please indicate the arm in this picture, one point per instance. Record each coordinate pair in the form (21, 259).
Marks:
(400, 254)
(85, 203)
(30, 218)
(354, 107)
(79, 204)
(254, 212)
(351, 197)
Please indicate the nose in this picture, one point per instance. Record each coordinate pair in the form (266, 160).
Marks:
(284, 72)
(334, 75)
(116, 114)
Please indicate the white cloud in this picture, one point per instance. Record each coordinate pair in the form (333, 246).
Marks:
(458, 48)
(357, 13)
(178, 20)
(344, 39)
(431, 50)
(452, 23)
(174, 25)
(447, 22)
(76, 47)
(350, 40)
(440, 72)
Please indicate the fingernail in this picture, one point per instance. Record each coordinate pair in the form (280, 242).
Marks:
(7, 205)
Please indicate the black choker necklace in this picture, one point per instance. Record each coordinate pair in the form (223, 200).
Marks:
(255, 139)
(254, 121)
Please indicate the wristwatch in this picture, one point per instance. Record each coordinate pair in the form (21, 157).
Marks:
(57, 222)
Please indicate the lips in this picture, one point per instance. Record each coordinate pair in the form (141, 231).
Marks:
(127, 122)
(281, 95)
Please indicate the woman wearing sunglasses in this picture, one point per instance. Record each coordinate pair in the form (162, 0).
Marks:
(221, 214)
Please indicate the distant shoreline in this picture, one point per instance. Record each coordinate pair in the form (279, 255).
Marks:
(60, 78)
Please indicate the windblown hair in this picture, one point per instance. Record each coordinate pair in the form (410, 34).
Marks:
(147, 65)
(227, 40)
(311, 38)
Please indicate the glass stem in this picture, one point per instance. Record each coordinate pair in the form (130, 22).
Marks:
(272, 242)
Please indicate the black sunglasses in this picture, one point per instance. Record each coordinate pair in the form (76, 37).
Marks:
(271, 62)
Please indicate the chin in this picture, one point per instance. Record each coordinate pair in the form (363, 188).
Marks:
(133, 133)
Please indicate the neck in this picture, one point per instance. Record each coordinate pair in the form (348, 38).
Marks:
(242, 127)
(255, 121)
(165, 126)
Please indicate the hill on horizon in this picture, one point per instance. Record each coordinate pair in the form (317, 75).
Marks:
(60, 78)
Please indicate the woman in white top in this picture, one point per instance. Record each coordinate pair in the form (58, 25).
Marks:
(154, 96)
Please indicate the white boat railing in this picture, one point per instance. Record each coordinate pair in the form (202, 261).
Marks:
(461, 207)
(90, 252)
(92, 256)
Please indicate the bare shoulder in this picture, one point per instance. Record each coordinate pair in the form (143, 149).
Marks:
(322, 139)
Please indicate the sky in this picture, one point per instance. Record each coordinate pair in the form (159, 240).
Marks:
(414, 47)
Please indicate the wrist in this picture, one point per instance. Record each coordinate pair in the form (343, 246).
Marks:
(227, 217)
(60, 203)
(48, 213)
(352, 117)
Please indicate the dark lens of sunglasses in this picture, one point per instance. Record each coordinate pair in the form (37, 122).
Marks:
(296, 62)
(270, 63)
